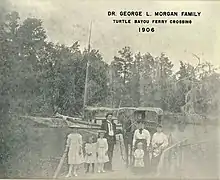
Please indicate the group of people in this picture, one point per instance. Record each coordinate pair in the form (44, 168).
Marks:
(96, 151)
(100, 150)
(144, 146)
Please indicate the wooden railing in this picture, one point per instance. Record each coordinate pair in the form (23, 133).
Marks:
(171, 159)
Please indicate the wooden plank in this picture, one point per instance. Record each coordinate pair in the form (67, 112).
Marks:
(60, 164)
(172, 146)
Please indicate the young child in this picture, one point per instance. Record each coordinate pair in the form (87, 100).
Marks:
(102, 149)
(139, 158)
(90, 156)
(75, 153)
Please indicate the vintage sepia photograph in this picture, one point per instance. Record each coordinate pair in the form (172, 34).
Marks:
(106, 89)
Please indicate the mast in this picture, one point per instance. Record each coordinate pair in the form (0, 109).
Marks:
(87, 72)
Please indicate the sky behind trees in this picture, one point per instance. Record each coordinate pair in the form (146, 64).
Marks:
(69, 20)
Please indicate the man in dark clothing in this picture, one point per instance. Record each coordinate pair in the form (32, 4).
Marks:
(110, 127)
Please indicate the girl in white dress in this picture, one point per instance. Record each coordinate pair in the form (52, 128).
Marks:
(102, 151)
(75, 153)
(90, 156)
(139, 158)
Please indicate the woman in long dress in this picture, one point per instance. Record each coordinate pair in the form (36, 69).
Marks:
(90, 157)
(159, 143)
(75, 153)
(102, 151)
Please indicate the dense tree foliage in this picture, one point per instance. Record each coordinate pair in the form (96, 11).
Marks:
(152, 82)
(39, 77)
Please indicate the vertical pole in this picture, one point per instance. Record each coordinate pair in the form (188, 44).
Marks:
(87, 73)
(112, 85)
(181, 158)
(161, 84)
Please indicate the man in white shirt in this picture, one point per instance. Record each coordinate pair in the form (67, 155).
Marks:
(142, 135)
(110, 127)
